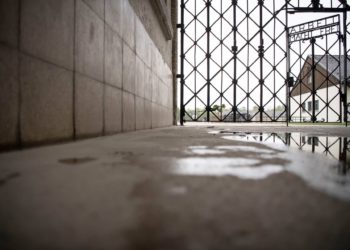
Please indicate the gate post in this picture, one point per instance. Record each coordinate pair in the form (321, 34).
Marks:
(208, 3)
(182, 81)
(234, 50)
(261, 56)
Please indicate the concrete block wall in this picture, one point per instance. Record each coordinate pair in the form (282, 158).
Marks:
(78, 68)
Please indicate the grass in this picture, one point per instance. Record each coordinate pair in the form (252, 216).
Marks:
(319, 123)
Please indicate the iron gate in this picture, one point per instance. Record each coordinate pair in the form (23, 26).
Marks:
(238, 65)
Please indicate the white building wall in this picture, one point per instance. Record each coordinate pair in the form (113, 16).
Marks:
(330, 95)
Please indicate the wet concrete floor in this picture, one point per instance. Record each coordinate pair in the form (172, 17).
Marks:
(192, 187)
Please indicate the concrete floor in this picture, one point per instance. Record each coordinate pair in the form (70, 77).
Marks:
(174, 188)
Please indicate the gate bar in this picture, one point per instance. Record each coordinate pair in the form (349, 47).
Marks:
(182, 81)
(208, 3)
(313, 68)
(345, 101)
(234, 50)
(261, 55)
(287, 107)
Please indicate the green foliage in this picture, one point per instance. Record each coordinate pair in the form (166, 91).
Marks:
(219, 108)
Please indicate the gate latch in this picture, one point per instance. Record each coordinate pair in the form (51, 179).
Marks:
(342, 97)
(290, 81)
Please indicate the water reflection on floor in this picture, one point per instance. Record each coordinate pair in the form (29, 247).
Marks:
(327, 170)
(333, 147)
(240, 167)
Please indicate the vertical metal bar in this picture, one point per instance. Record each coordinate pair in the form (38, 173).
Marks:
(274, 62)
(341, 103)
(248, 67)
(195, 62)
(340, 149)
(327, 82)
(208, 59)
(342, 156)
(341, 96)
(301, 83)
(287, 68)
(221, 63)
(182, 81)
(313, 40)
(234, 60)
(345, 65)
(261, 55)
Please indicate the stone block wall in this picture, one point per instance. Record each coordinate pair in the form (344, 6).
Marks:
(79, 68)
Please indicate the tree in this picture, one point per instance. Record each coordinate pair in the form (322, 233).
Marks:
(218, 108)
(279, 108)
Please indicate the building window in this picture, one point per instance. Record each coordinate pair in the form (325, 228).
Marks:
(309, 79)
(309, 106)
(303, 106)
(316, 105)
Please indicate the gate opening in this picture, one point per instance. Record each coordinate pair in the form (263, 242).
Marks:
(264, 61)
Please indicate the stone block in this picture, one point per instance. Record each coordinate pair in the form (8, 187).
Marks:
(157, 61)
(140, 113)
(155, 89)
(89, 42)
(88, 106)
(162, 114)
(113, 110)
(114, 15)
(168, 77)
(140, 78)
(47, 30)
(8, 96)
(113, 69)
(166, 95)
(162, 93)
(155, 115)
(46, 101)
(153, 23)
(129, 123)
(171, 97)
(128, 24)
(97, 6)
(129, 64)
(148, 83)
(148, 114)
(142, 43)
(148, 52)
(9, 22)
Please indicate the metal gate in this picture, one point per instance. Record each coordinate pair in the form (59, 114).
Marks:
(238, 63)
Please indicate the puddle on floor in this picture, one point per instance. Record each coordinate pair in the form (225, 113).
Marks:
(212, 166)
(242, 161)
(203, 150)
(326, 170)
(333, 147)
